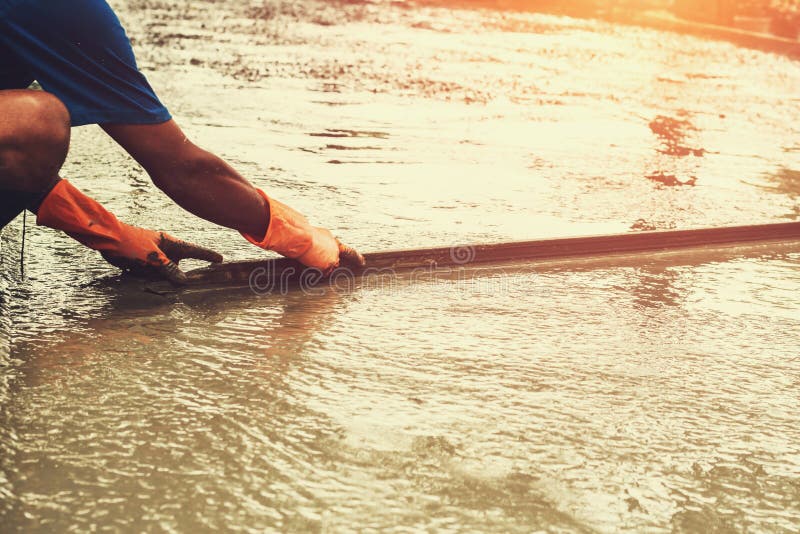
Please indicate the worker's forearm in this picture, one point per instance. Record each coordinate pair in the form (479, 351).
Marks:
(197, 180)
(205, 185)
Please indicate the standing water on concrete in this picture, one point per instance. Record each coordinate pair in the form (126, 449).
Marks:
(655, 396)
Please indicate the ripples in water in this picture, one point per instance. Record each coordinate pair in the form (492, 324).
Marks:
(574, 400)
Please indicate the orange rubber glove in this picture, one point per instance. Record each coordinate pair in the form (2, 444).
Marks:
(290, 234)
(130, 248)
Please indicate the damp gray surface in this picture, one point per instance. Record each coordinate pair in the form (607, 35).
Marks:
(657, 396)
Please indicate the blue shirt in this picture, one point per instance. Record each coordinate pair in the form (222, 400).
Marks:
(77, 50)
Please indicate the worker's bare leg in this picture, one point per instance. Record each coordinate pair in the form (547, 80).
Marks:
(34, 140)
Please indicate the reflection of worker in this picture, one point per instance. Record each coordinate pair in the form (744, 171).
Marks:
(80, 55)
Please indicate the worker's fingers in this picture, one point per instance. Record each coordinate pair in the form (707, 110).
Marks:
(173, 273)
(157, 265)
(178, 250)
(184, 250)
(349, 256)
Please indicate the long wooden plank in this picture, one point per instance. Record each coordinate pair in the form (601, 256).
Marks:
(289, 271)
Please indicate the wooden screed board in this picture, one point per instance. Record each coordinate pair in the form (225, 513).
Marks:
(241, 273)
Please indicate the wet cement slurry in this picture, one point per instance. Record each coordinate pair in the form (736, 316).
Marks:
(658, 396)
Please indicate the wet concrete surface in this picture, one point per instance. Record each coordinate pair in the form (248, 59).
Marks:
(659, 396)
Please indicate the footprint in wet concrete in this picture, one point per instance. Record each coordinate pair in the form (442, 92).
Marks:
(672, 133)
(670, 180)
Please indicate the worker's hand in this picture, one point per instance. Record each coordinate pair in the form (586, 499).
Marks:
(349, 257)
(128, 247)
(290, 234)
(149, 253)
(326, 252)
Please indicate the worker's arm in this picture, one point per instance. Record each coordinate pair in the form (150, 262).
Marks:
(206, 186)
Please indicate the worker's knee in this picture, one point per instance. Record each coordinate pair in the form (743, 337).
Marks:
(45, 129)
(34, 140)
(40, 123)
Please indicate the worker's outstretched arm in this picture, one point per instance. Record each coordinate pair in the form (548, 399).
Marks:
(206, 186)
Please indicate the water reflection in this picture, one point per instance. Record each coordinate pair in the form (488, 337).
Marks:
(656, 287)
(480, 404)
